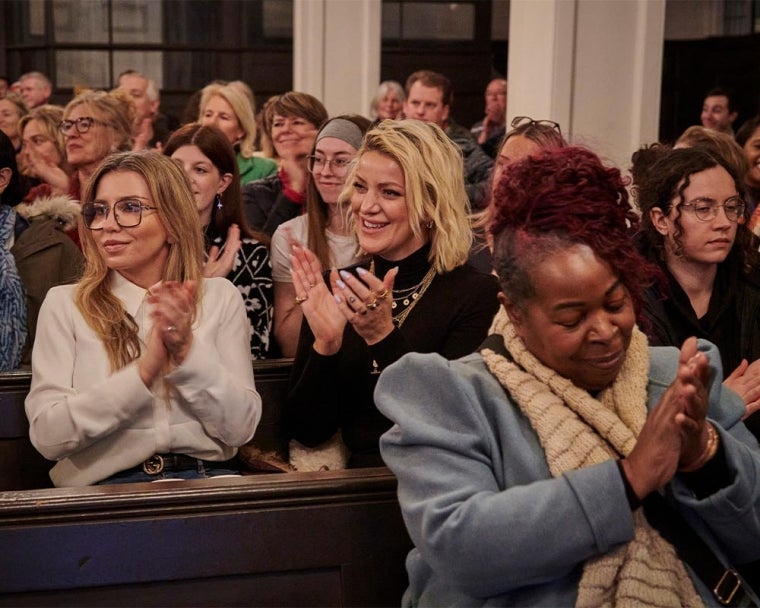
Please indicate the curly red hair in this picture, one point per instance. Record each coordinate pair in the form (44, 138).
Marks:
(558, 198)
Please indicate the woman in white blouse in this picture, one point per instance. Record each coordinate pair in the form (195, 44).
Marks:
(142, 370)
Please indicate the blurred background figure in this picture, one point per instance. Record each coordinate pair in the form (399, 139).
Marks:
(290, 122)
(388, 102)
(748, 137)
(35, 88)
(229, 107)
(12, 108)
(489, 131)
(718, 111)
(43, 152)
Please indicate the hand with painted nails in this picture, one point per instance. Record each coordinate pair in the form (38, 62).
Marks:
(365, 302)
(318, 305)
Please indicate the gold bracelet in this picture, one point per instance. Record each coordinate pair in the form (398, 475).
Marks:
(707, 454)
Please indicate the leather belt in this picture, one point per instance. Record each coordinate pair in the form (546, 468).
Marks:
(158, 463)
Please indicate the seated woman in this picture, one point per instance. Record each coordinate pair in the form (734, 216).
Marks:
(324, 228)
(692, 226)
(43, 152)
(290, 121)
(95, 124)
(233, 250)
(415, 293)
(522, 468)
(748, 137)
(388, 102)
(142, 370)
(43, 253)
(13, 313)
(230, 109)
(12, 109)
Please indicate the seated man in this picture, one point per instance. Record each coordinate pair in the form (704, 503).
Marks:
(489, 131)
(429, 97)
(35, 89)
(718, 111)
(151, 129)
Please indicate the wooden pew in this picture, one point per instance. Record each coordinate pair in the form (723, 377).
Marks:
(305, 539)
(295, 539)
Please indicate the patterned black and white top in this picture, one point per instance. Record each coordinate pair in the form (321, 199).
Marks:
(252, 275)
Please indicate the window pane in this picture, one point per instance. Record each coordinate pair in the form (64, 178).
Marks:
(137, 21)
(84, 21)
(391, 21)
(148, 63)
(278, 19)
(450, 21)
(85, 68)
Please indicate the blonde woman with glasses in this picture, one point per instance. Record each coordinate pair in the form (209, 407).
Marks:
(142, 370)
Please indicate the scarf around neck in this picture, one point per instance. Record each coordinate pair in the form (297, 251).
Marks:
(577, 430)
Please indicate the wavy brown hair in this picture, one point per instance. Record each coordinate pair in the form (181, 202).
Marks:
(176, 210)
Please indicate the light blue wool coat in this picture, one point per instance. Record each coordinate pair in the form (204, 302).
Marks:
(490, 525)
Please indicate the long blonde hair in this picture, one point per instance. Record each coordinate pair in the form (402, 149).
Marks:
(176, 210)
(242, 105)
(433, 182)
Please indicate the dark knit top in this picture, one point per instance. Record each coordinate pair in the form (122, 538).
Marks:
(335, 392)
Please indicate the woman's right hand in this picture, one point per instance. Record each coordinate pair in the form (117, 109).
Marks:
(221, 262)
(675, 428)
(745, 381)
(317, 302)
(43, 168)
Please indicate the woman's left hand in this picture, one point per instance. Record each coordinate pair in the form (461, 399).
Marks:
(173, 311)
(221, 261)
(366, 302)
(694, 376)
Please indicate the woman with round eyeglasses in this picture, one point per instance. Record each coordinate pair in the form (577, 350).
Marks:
(95, 124)
(693, 227)
(324, 228)
(141, 371)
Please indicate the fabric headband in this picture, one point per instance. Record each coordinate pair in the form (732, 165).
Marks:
(342, 129)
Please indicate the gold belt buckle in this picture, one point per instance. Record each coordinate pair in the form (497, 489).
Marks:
(726, 582)
(153, 465)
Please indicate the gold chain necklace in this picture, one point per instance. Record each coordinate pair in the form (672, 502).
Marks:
(409, 301)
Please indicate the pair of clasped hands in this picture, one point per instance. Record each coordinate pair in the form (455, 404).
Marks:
(363, 301)
(675, 435)
(169, 340)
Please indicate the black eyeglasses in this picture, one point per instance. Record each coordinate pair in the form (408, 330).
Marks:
(82, 124)
(707, 209)
(127, 212)
(339, 166)
(521, 121)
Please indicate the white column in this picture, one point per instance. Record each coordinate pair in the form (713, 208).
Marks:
(336, 52)
(594, 66)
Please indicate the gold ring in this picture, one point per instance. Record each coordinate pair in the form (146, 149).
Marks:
(372, 305)
(301, 299)
(382, 295)
(351, 300)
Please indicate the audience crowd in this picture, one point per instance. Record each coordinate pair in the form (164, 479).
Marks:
(520, 331)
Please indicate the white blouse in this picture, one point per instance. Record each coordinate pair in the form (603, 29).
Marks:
(96, 422)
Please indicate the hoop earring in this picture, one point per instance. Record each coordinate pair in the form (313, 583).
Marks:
(218, 200)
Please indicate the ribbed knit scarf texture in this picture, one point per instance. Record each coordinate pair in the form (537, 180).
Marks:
(576, 430)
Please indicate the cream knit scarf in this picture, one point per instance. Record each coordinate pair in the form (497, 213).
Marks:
(577, 431)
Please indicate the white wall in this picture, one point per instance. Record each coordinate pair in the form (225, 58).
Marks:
(336, 52)
(593, 66)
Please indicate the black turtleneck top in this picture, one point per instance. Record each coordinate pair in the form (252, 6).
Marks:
(334, 392)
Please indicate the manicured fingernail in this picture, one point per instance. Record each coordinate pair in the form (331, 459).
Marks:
(345, 274)
(361, 271)
(338, 299)
(341, 284)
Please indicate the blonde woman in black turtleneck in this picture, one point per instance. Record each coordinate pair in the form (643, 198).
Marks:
(414, 294)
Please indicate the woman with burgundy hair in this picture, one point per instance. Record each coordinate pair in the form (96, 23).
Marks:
(522, 469)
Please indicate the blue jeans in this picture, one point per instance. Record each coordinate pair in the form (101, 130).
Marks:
(205, 470)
